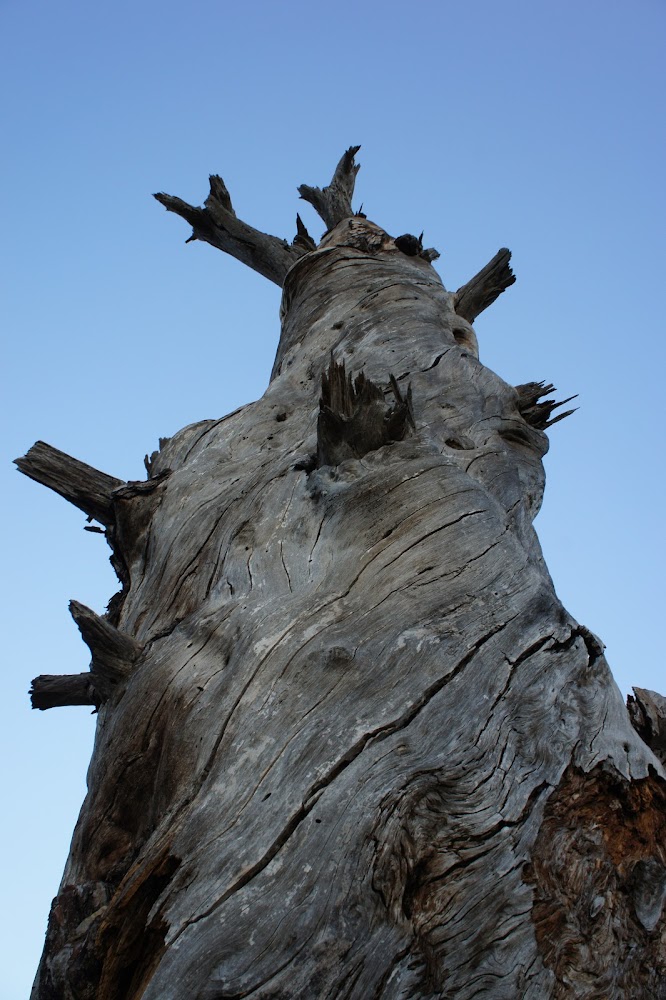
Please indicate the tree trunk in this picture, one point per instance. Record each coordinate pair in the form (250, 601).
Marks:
(349, 743)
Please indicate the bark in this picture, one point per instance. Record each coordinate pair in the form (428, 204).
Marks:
(355, 746)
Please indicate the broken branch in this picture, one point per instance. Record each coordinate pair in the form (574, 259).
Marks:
(58, 690)
(354, 418)
(217, 223)
(87, 488)
(539, 414)
(113, 652)
(333, 204)
(481, 291)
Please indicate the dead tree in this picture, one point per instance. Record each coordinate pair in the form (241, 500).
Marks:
(349, 742)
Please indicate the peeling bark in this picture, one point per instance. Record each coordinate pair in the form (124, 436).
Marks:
(598, 871)
(354, 746)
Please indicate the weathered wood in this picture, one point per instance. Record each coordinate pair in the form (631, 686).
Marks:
(354, 418)
(536, 413)
(333, 203)
(217, 223)
(367, 754)
(413, 247)
(134, 507)
(481, 291)
(88, 489)
(302, 237)
(647, 711)
(409, 244)
(113, 652)
(140, 487)
(430, 254)
(598, 874)
(59, 690)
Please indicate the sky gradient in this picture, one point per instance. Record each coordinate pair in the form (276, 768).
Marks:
(537, 126)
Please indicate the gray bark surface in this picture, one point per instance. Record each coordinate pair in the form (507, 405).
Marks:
(358, 749)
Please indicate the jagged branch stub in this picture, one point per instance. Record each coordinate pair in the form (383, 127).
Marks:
(60, 690)
(538, 414)
(113, 652)
(481, 291)
(333, 203)
(87, 488)
(354, 417)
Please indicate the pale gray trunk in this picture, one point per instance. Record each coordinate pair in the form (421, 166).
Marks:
(350, 744)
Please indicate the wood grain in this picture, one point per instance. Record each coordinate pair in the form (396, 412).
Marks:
(365, 752)
(481, 291)
(87, 488)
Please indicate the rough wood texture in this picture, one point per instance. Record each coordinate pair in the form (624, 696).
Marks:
(366, 753)
(647, 711)
(217, 223)
(58, 690)
(354, 417)
(88, 489)
(481, 291)
(113, 652)
(413, 247)
(333, 203)
(598, 871)
(302, 237)
(536, 413)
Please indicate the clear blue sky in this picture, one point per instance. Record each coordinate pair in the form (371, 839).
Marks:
(532, 125)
